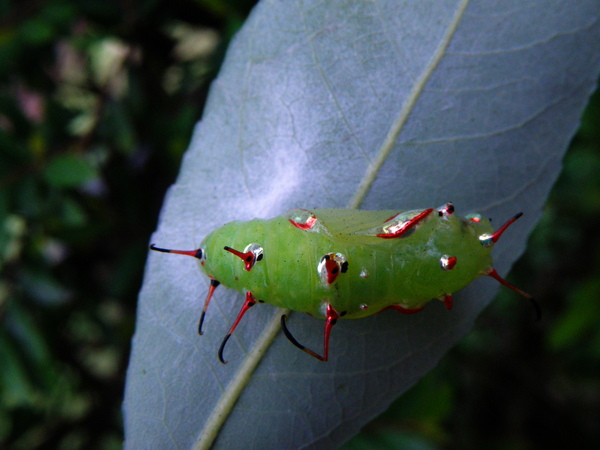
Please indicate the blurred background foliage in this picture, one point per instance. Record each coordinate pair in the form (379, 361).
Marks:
(98, 100)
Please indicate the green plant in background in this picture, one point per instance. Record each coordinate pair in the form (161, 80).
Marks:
(97, 104)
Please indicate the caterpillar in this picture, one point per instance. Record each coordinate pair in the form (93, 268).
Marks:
(345, 263)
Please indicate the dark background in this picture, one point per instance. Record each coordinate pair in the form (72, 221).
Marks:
(98, 99)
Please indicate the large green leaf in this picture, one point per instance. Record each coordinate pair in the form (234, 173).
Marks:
(349, 103)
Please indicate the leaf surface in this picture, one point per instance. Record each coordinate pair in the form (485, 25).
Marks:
(381, 105)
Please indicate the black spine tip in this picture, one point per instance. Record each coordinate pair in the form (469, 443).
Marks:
(222, 348)
(537, 309)
(158, 249)
(200, 332)
(289, 335)
(298, 344)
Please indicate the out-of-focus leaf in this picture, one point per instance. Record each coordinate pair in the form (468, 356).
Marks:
(14, 382)
(581, 318)
(69, 171)
(43, 287)
(350, 103)
(36, 31)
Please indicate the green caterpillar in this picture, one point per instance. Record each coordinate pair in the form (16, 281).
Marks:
(344, 263)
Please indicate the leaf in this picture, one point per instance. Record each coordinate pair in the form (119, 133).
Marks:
(69, 171)
(334, 104)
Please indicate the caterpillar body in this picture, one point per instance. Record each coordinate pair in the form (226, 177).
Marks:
(343, 263)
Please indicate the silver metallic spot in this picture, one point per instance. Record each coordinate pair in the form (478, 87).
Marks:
(396, 223)
(486, 240)
(446, 210)
(302, 219)
(473, 217)
(329, 272)
(256, 249)
(448, 262)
